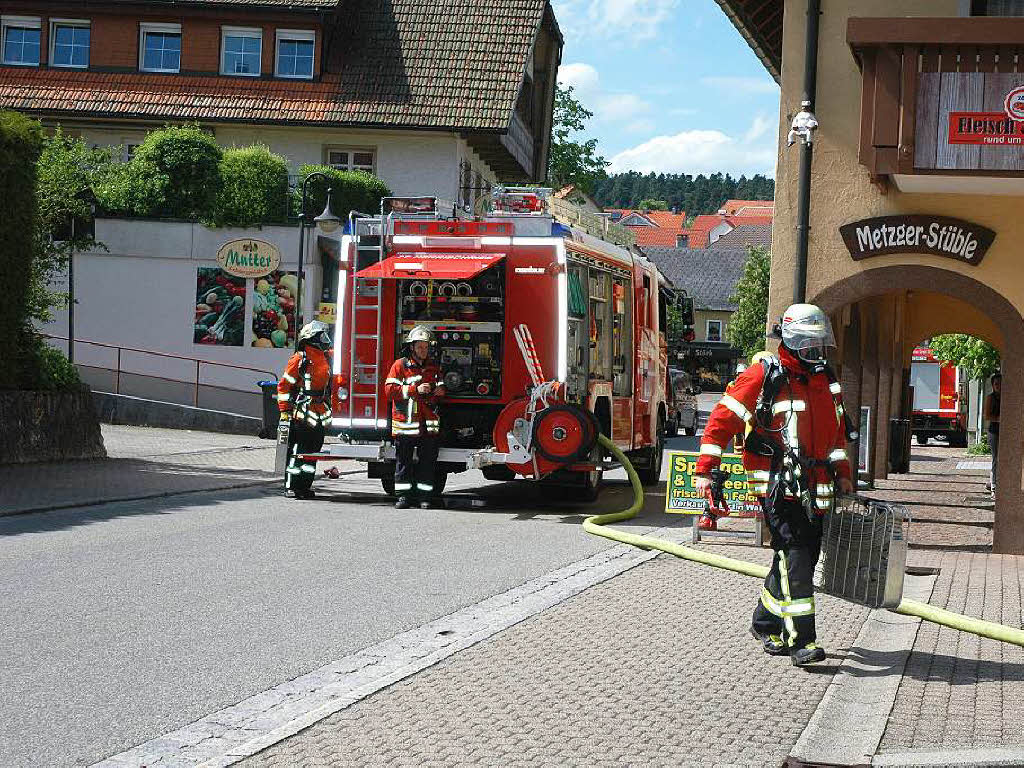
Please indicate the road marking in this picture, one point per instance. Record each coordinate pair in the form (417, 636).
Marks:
(252, 725)
(848, 724)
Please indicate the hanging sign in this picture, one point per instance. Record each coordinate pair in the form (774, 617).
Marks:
(681, 494)
(985, 128)
(249, 258)
(917, 233)
(1014, 103)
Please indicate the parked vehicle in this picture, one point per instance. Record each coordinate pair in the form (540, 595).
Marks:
(545, 335)
(681, 403)
(940, 400)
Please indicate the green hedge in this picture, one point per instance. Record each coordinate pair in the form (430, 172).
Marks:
(350, 191)
(254, 188)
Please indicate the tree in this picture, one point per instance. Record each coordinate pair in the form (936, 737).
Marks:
(652, 205)
(978, 359)
(746, 328)
(572, 162)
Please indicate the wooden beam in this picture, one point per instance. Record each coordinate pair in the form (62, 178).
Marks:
(978, 30)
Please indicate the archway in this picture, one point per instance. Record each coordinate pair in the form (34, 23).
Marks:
(887, 310)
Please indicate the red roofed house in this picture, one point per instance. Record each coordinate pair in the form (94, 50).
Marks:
(707, 228)
(759, 208)
(432, 102)
(654, 229)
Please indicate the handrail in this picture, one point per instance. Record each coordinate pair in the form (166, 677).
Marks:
(199, 362)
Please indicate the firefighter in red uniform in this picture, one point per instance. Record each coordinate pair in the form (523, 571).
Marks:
(304, 399)
(795, 459)
(413, 387)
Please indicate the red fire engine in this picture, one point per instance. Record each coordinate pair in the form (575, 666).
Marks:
(544, 335)
(940, 399)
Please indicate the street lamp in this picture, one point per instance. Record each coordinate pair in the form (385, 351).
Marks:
(327, 222)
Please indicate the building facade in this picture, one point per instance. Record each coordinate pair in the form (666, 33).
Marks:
(916, 178)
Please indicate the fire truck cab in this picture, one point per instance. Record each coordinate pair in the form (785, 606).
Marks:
(545, 336)
(940, 400)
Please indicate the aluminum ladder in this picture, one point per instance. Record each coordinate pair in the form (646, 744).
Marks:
(365, 348)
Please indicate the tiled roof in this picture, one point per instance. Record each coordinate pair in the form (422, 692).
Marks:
(700, 232)
(658, 218)
(655, 237)
(412, 63)
(752, 235)
(709, 276)
(749, 207)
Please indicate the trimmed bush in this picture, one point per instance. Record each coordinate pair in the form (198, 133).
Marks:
(175, 173)
(254, 188)
(350, 191)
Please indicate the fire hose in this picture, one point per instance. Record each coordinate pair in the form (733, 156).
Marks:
(597, 525)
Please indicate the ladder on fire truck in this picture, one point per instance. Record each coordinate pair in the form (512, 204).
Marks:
(365, 322)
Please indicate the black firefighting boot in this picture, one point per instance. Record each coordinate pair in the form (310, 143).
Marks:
(403, 503)
(773, 645)
(809, 654)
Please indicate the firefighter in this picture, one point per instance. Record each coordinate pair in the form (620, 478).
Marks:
(413, 387)
(795, 459)
(304, 400)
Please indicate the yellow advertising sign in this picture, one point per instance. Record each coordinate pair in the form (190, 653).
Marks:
(249, 257)
(681, 494)
(326, 312)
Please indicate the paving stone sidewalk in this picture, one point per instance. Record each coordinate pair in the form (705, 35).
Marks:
(143, 462)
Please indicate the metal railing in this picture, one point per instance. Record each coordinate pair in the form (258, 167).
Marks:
(196, 382)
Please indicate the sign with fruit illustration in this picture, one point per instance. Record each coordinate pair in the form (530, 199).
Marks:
(220, 308)
(273, 310)
(249, 257)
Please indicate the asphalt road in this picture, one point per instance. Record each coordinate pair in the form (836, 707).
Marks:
(123, 621)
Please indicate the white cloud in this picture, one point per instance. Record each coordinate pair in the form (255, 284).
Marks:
(582, 77)
(761, 125)
(742, 84)
(701, 151)
(636, 19)
(642, 125)
(620, 106)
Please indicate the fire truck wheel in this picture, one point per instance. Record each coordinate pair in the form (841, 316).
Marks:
(690, 431)
(651, 473)
(921, 439)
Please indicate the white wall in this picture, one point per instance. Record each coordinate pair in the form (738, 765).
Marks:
(142, 294)
(410, 162)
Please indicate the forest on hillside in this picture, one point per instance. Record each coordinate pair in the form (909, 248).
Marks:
(693, 194)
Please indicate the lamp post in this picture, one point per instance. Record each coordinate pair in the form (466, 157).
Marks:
(328, 222)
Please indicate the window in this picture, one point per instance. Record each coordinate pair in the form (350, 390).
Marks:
(160, 47)
(21, 40)
(69, 43)
(714, 330)
(240, 51)
(295, 53)
(997, 8)
(347, 159)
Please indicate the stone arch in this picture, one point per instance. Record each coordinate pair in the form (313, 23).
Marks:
(1006, 332)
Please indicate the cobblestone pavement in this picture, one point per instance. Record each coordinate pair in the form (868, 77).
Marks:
(653, 667)
(143, 462)
(958, 690)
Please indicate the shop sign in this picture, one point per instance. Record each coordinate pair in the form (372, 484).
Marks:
(917, 233)
(681, 495)
(249, 258)
(1014, 103)
(985, 128)
(326, 312)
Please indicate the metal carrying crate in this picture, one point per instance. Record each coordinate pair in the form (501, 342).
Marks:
(864, 552)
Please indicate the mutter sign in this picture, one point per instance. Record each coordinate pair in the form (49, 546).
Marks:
(917, 233)
(249, 257)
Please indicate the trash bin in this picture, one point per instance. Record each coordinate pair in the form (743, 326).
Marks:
(270, 417)
(899, 446)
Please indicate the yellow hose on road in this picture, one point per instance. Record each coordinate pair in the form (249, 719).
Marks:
(596, 525)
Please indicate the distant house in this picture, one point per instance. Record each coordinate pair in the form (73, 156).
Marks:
(745, 236)
(759, 208)
(433, 102)
(576, 196)
(653, 229)
(707, 228)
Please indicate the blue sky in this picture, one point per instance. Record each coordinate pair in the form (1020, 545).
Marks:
(672, 85)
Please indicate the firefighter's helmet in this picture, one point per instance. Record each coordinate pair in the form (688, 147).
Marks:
(315, 334)
(806, 332)
(420, 333)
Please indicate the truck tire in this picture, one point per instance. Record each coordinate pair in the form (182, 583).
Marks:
(498, 473)
(957, 439)
(921, 439)
(672, 428)
(690, 431)
(651, 473)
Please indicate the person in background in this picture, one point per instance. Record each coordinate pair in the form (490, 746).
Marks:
(304, 400)
(992, 414)
(413, 387)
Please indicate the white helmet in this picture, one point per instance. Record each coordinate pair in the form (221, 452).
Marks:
(806, 331)
(420, 333)
(316, 334)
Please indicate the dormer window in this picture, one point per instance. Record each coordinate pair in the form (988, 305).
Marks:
(160, 47)
(295, 51)
(20, 40)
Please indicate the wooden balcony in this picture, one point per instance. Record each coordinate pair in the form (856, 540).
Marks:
(932, 102)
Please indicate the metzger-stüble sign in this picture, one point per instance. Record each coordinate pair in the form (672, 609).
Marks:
(917, 233)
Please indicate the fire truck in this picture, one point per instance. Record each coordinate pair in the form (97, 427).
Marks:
(940, 399)
(546, 335)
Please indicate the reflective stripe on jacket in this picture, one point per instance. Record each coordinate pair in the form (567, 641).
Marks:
(411, 412)
(305, 387)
